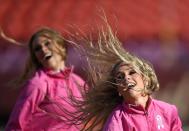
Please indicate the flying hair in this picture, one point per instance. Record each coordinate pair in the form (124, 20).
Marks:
(102, 56)
(9, 39)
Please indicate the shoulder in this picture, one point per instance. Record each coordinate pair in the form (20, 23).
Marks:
(38, 80)
(74, 75)
(113, 122)
(38, 75)
(69, 73)
(76, 78)
(162, 104)
(165, 107)
(117, 112)
(35, 86)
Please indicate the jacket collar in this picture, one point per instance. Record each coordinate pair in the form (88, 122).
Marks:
(137, 109)
(61, 74)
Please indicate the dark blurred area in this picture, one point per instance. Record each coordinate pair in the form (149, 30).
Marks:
(156, 30)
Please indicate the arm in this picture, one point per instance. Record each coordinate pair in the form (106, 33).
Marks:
(26, 104)
(176, 124)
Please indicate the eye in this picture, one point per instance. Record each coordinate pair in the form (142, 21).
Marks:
(46, 43)
(132, 72)
(37, 48)
(120, 77)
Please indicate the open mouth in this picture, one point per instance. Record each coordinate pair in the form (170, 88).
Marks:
(131, 85)
(47, 56)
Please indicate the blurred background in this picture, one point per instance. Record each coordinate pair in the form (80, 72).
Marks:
(156, 30)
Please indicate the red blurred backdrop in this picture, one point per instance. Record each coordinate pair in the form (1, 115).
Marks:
(157, 30)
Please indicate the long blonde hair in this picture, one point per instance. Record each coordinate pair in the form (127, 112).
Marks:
(104, 57)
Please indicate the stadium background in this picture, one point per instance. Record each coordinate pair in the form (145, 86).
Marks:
(157, 30)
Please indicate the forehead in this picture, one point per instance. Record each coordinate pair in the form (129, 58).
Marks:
(125, 67)
(42, 38)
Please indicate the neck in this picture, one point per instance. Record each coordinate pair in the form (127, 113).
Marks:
(142, 101)
(57, 67)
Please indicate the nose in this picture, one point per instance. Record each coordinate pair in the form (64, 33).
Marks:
(127, 77)
(44, 48)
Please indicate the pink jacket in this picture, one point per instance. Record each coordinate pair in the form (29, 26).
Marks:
(42, 101)
(159, 116)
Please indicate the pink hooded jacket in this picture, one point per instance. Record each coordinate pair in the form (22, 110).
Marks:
(43, 100)
(159, 116)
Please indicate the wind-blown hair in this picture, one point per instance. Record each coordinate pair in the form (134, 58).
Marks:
(104, 58)
(32, 64)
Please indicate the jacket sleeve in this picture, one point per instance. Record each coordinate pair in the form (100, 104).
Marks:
(176, 124)
(30, 97)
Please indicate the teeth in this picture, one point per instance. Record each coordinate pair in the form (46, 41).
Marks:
(130, 85)
(48, 55)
